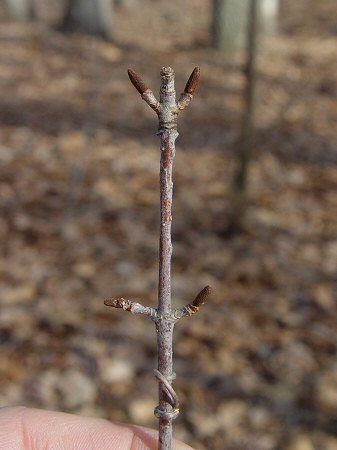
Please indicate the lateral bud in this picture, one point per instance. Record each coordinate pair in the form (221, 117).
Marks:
(116, 302)
(194, 306)
(193, 81)
(137, 81)
(202, 296)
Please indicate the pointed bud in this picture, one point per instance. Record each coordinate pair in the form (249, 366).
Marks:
(137, 81)
(193, 81)
(202, 296)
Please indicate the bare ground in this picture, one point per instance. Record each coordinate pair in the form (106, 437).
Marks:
(256, 369)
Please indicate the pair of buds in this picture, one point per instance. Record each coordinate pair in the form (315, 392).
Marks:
(190, 87)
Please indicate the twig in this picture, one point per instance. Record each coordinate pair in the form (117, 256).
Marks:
(194, 306)
(163, 316)
(133, 307)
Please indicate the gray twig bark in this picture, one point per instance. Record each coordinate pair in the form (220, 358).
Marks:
(164, 316)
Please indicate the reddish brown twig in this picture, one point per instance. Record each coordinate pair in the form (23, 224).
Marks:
(164, 316)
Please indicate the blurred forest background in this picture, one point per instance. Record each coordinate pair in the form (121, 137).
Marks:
(79, 221)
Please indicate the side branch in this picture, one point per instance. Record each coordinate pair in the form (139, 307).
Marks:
(151, 100)
(144, 91)
(133, 307)
(194, 306)
(187, 96)
(184, 100)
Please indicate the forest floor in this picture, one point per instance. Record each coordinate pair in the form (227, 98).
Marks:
(79, 218)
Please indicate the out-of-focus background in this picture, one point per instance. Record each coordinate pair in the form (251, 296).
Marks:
(79, 163)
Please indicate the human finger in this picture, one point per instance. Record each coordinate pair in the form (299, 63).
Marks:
(27, 429)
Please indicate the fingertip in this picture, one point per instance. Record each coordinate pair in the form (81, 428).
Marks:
(10, 419)
(28, 428)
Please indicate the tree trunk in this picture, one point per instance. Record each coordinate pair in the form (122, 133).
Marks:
(20, 10)
(126, 3)
(231, 20)
(89, 16)
(246, 140)
(269, 11)
(229, 24)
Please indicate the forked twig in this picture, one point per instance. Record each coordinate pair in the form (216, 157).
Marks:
(164, 316)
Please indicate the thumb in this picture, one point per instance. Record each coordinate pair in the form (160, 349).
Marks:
(33, 429)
